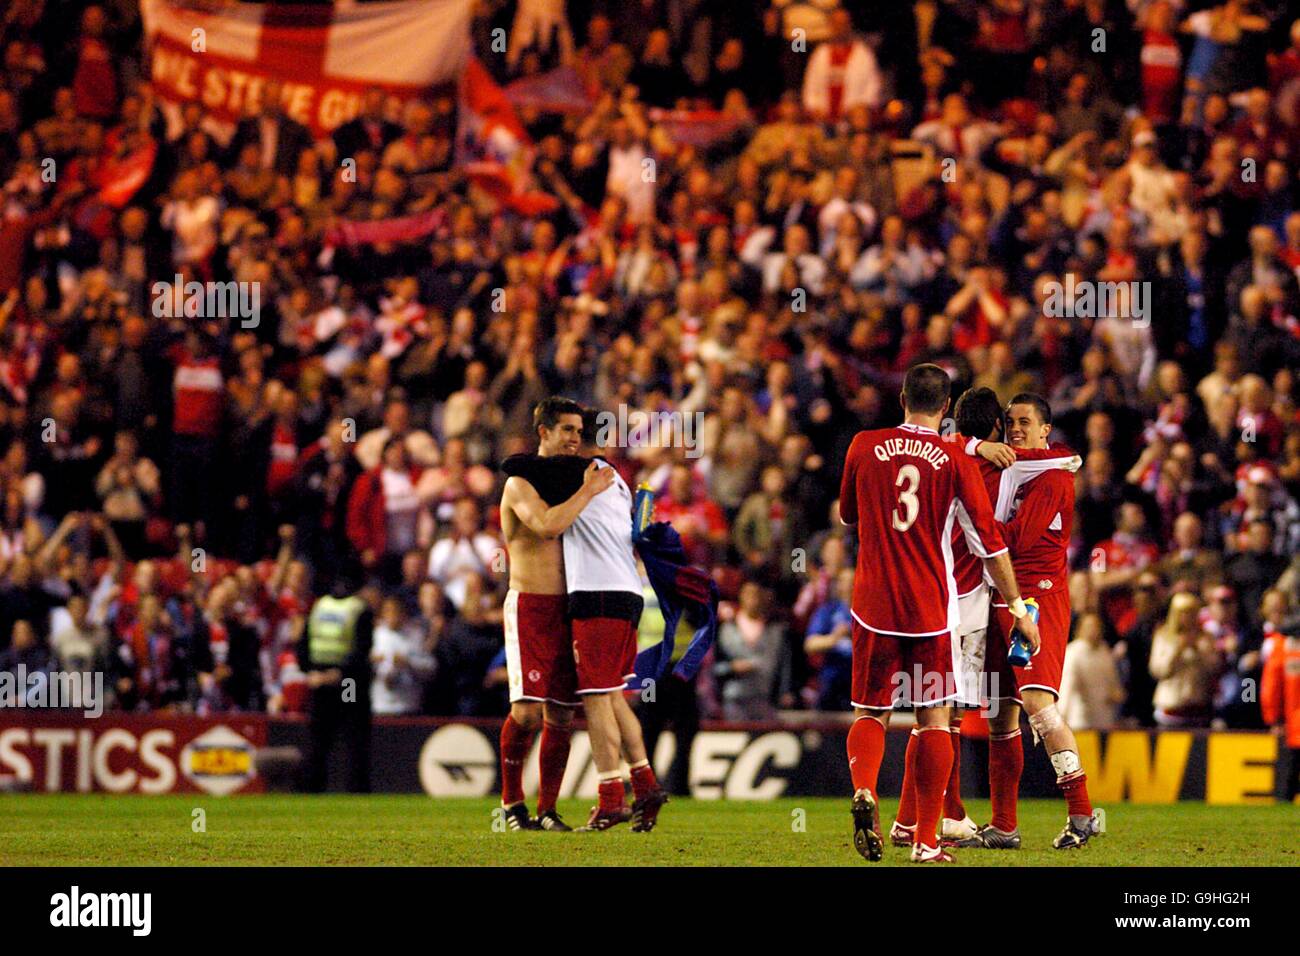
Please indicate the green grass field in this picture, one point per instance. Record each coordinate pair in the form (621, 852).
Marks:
(96, 830)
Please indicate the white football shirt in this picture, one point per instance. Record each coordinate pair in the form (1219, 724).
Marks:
(598, 552)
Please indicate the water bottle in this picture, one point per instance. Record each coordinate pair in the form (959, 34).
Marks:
(643, 509)
(1020, 652)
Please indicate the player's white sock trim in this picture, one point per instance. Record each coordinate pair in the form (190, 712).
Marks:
(610, 775)
(921, 730)
(1007, 736)
(639, 764)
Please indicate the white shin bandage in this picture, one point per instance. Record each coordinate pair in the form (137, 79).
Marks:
(1066, 763)
(1045, 721)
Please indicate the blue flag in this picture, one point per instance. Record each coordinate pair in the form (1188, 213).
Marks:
(683, 591)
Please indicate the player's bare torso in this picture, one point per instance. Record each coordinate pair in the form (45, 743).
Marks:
(536, 564)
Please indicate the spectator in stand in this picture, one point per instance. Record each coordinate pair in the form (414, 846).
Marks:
(465, 549)
(1184, 664)
(1116, 561)
(455, 478)
(28, 664)
(369, 131)
(325, 476)
(129, 487)
(1256, 568)
(384, 512)
(22, 598)
(197, 418)
(752, 647)
(465, 652)
(147, 678)
(829, 646)
(419, 444)
(696, 518)
(279, 138)
(763, 533)
(842, 73)
(1133, 649)
(1091, 691)
(1189, 565)
(79, 644)
(400, 664)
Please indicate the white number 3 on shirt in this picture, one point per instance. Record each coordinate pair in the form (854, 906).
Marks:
(910, 476)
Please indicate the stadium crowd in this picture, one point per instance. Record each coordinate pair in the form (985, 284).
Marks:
(764, 217)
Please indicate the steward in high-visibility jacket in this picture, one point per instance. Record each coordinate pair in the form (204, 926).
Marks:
(334, 653)
(1279, 697)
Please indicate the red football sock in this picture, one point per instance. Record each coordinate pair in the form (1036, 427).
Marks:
(933, 764)
(1075, 788)
(643, 779)
(953, 808)
(515, 744)
(907, 802)
(1006, 761)
(553, 757)
(866, 748)
(611, 793)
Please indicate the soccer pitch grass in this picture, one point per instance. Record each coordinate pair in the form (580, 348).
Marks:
(99, 830)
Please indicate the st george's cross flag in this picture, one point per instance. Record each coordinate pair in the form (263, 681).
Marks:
(221, 53)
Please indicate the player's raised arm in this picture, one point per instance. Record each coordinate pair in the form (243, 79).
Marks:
(551, 522)
(994, 452)
(1027, 461)
(1018, 465)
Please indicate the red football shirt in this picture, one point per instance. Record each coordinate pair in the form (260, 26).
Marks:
(1002, 486)
(907, 489)
(1038, 533)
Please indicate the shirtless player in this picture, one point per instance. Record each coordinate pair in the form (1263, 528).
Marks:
(539, 647)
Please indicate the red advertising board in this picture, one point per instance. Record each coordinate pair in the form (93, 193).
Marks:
(53, 751)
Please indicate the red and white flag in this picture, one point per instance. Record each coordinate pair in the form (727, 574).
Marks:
(221, 53)
(492, 146)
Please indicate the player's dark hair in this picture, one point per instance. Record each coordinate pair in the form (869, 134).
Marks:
(1040, 405)
(926, 389)
(978, 412)
(548, 411)
(590, 426)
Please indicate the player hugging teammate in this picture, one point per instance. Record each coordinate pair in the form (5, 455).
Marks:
(908, 490)
(1035, 520)
(937, 529)
(1004, 470)
(571, 621)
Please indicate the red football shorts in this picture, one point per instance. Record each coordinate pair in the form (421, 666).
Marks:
(891, 671)
(604, 650)
(1043, 672)
(539, 648)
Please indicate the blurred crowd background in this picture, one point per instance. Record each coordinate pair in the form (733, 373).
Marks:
(766, 215)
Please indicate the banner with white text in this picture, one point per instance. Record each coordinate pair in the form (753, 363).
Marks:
(222, 53)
